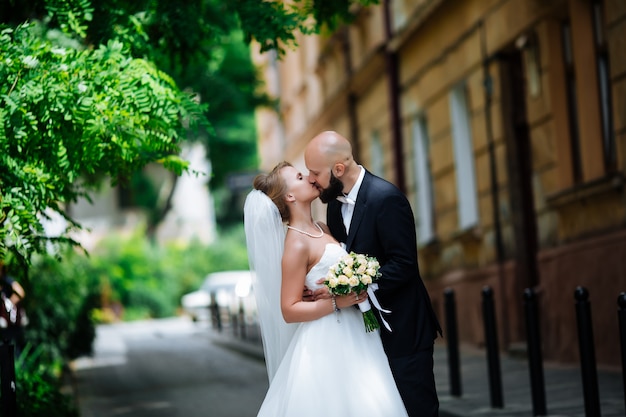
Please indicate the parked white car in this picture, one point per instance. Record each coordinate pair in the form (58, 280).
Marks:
(230, 290)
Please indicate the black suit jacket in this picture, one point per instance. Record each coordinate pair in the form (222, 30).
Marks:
(383, 226)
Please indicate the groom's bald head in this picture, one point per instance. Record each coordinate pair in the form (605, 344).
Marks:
(327, 149)
(328, 157)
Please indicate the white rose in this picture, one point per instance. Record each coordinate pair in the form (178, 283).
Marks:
(332, 283)
(361, 269)
(342, 279)
(347, 272)
(353, 281)
(366, 279)
(371, 272)
(349, 261)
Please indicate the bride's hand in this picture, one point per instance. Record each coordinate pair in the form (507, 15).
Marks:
(350, 299)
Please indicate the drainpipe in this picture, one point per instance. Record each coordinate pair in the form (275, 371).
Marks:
(352, 99)
(391, 64)
(495, 194)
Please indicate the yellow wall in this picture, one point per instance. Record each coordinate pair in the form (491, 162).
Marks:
(440, 44)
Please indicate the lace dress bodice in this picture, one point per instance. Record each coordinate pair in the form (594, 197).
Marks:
(331, 255)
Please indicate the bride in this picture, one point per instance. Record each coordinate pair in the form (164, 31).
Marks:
(320, 360)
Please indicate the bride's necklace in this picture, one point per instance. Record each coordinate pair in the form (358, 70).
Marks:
(307, 233)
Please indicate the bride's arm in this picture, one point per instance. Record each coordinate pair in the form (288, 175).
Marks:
(294, 269)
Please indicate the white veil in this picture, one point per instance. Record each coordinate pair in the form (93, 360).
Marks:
(265, 238)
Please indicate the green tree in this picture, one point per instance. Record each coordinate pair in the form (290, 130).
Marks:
(97, 89)
(70, 118)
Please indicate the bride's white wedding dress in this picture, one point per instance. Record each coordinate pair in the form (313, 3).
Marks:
(333, 368)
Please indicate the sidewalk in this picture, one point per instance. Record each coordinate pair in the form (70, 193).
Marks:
(563, 384)
(564, 392)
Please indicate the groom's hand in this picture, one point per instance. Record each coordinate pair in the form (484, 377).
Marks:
(307, 295)
(321, 293)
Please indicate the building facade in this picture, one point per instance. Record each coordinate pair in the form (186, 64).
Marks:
(504, 121)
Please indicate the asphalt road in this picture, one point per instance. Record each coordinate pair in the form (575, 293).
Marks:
(167, 368)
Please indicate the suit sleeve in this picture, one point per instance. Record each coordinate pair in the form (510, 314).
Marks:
(396, 231)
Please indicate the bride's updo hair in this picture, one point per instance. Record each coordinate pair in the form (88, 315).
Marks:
(275, 187)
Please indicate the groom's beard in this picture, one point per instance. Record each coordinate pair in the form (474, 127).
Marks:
(334, 189)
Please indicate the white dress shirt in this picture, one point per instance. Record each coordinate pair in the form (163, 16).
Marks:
(347, 206)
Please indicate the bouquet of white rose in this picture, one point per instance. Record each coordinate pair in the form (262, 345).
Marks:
(354, 273)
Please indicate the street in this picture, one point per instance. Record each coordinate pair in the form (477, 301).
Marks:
(174, 367)
(171, 367)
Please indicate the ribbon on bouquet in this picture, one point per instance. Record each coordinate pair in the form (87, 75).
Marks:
(370, 292)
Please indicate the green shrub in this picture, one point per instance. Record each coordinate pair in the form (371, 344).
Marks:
(65, 297)
(60, 297)
(38, 389)
(148, 279)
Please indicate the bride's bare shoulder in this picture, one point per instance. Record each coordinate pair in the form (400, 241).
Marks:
(296, 244)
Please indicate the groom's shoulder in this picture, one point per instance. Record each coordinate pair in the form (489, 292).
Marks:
(381, 185)
(382, 191)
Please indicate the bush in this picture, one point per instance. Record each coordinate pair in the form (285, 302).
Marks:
(147, 280)
(66, 297)
(38, 389)
(60, 298)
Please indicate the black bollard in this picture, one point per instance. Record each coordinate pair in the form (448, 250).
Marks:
(491, 341)
(535, 358)
(242, 320)
(234, 323)
(587, 353)
(453, 343)
(621, 313)
(216, 318)
(8, 395)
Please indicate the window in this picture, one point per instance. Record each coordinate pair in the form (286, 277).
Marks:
(602, 62)
(464, 159)
(377, 160)
(588, 89)
(399, 16)
(570, 82)
(423, 182)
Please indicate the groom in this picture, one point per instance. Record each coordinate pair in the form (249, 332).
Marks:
(373, 217)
